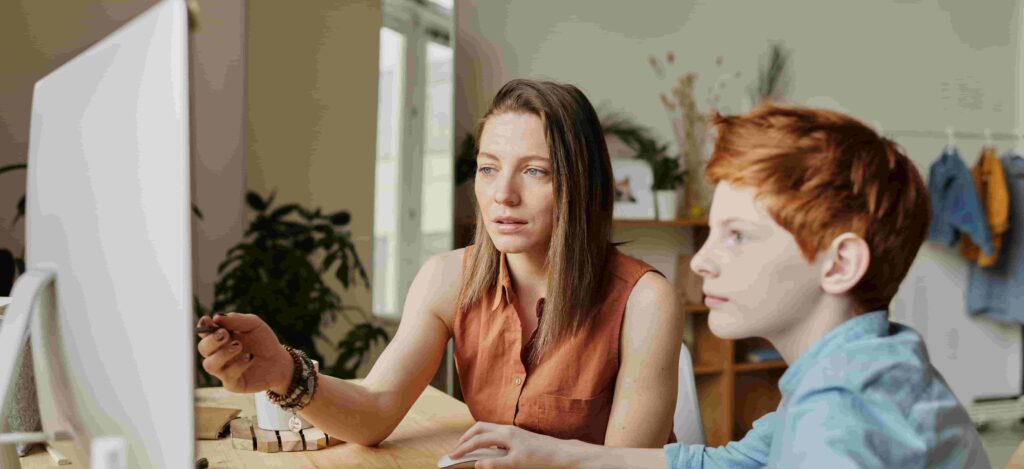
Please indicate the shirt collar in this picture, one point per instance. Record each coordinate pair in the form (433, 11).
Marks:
(504, 286)
(504, 289)
(872, 324)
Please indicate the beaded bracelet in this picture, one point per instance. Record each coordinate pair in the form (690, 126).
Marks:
(295, 398)
(303, 385)
(296, 381)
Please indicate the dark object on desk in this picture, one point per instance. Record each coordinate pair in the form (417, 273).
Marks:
(6, 272)
(206, 329)
(202, 463)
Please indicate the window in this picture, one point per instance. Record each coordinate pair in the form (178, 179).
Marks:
(414, 176)
(391, 83)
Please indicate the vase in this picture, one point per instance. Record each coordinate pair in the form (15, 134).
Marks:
(269, 416)
(667, 204)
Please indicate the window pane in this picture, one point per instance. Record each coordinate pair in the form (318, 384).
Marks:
(438, 177)
(447, 4)
(389, 108)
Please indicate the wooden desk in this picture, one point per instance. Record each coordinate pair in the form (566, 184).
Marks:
(1017, 458)
(429, 430)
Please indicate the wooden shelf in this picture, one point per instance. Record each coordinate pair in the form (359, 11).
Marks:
(661, 223)
(695, 308)
(628, 223)
(700, 370)
(767, 365)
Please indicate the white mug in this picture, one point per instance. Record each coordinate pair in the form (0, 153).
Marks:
(4, 301)
(270, 416)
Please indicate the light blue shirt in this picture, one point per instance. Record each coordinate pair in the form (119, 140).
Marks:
(865, 395)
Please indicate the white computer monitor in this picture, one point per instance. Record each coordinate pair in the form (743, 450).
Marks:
(108, 252)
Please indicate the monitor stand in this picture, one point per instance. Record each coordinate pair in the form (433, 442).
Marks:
(29, 292)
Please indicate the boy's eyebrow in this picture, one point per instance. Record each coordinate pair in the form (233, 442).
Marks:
(737, 219)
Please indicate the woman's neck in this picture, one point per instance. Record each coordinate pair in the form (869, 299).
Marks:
(529, 274)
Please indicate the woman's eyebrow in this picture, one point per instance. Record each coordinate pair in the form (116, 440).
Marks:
(484, 154)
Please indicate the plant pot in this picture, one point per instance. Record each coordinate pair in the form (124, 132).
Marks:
(667, 202)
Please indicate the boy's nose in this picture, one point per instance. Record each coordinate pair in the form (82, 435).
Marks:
(702, 264)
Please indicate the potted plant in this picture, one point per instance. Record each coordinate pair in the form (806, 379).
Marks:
(667, 178)
(668, 175)
(773, 80)
(11, 265)
(277, 271)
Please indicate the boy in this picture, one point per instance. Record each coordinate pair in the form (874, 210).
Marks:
(815, 221)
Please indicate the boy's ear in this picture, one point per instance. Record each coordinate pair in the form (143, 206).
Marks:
(846, 263)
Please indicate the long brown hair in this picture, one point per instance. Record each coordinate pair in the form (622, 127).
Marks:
(580, 238)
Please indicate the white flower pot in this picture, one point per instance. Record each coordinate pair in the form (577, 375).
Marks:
(667, 202)
(270, 416)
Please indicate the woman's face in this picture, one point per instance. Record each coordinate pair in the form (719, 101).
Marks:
(514, 183)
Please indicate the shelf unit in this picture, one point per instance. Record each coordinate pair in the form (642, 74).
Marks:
(732, 392)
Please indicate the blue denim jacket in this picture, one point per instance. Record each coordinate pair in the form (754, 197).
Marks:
(998, 291)
(865, 395)
(956, 208)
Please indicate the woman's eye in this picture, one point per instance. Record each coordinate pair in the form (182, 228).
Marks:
(536, 172)
(486, 170)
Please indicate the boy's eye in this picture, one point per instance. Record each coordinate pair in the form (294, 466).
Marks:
(735, 237)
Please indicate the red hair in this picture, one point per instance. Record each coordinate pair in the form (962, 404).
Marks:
(820, 174)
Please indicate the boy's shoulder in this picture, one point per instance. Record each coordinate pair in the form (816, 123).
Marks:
(893, 367)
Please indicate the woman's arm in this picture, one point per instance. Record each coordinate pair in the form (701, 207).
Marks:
(532, 450)
(366, 413)
(645, 390)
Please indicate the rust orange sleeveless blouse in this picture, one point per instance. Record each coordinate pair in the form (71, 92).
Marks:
(567, 395)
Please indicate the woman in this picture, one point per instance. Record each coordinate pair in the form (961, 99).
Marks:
(555, 331)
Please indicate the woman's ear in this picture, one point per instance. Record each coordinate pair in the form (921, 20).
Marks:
(848, 260)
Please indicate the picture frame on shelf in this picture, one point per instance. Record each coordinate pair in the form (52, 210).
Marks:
(634, 198)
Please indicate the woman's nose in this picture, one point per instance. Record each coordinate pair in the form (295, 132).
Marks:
(506, 192)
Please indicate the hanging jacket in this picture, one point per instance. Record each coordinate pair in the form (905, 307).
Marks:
(997, 292)
(956, 209)
(995, 200)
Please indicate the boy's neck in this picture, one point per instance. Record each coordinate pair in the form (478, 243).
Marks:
(793, 341)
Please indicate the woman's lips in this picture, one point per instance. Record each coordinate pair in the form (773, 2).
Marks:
(508, 225)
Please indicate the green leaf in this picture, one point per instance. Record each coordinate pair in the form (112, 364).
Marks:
(341, 218)
(283, 211)
(255, 201)
(21, 210)
(12, 167)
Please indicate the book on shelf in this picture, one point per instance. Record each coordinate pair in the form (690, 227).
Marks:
(760, 355)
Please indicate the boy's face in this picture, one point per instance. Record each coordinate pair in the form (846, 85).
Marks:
(756, 282)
